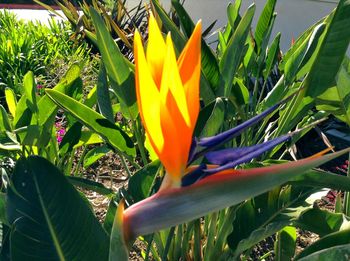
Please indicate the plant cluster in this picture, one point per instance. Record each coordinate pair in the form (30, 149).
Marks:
(210, 133)
(32, 46)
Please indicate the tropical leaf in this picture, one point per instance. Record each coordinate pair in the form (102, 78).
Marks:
(209, 65)
(234, 52)
(103, 99)
(49, 218)
(336, 99)
(285, 244)
(111, 132)
(331, 54)
(141, 183)
(339, 253)
(90, 185)
(264, 23)
(116, 66)
(322, 179)
(327, 222)
(95, 154)
(11, 101)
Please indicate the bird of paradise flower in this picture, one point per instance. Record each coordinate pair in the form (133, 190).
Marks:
(168, 98)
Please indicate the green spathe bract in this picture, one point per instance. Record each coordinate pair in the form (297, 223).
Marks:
(211, 194)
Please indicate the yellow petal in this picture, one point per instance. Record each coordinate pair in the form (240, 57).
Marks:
(155, 51)
(148, 97)
(171, 84)
(175, 119)
(189, 64)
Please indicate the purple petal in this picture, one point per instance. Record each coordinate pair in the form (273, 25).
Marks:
(230, 158)
(192, 150)
(229, 134)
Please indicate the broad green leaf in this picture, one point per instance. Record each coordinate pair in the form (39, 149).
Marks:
(5, 124)
(211, 120)
(272, 56)
(303, 54)
(339, 253)
(336, 99)
(234, 52)
(94, 155)
(322, 179)
(70, 139)
(240, 93)
(117, 247)
(209, 65)
(212, 194)
(49, 217)
(91, 98)
(177, 37)
(34, 135)
(103, 99)
(233, 13)
(285, 244)
(140, 184)
(116, 66)
(11, 101)
(300, 41)
(206, 92)
(264, 22)
(109, 219)
(332, 51)
(23, 114)
(328, 241)
(30, 91)
(88, 138)
(69, 84)
(327, 222)
(111, 132)
(90, 185)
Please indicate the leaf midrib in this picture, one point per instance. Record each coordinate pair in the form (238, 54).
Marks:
(49, 223)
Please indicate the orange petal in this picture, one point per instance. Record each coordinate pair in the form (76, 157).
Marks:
(171, 155)
(155, 51)
(189, 64)
(148, 97)
(172, 84)
(175, 119)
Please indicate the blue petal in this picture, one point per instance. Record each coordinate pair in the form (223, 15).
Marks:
(193, 176)
(229, 134)
(232, 154)
(230, 158)
(192, 151)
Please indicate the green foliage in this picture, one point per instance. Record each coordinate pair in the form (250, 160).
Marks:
(31, 46)
(49, 218)
(217, 218)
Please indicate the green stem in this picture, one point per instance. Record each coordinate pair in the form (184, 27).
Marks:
(212, 233)
(149, 246)
(197, 247)
(168, 242)
(139, 140)
(79, 162)
(347, 194)
(125, 165)
(129, 158)
(262, 92)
